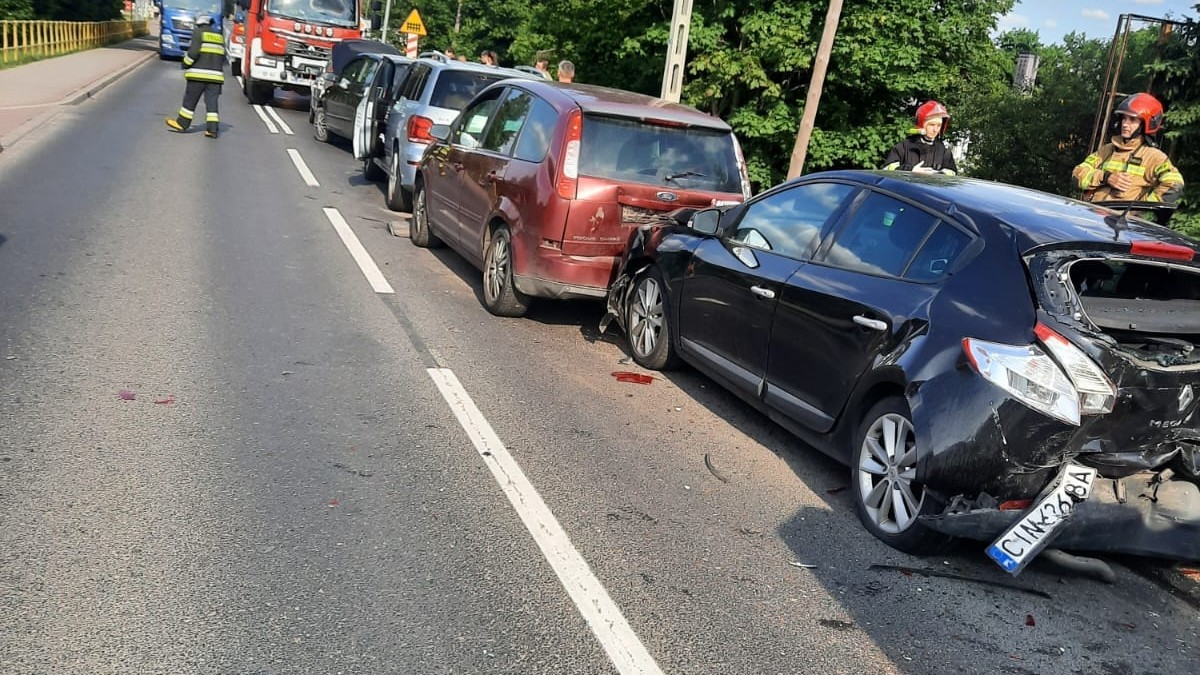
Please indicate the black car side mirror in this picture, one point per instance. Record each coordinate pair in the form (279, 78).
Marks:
(440, 131)
(707, 221)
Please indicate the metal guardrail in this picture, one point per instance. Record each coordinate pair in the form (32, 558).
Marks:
(27, 40)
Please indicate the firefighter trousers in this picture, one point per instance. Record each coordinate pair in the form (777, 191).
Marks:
(191, 96)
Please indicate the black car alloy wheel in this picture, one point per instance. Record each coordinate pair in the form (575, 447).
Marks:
(888, 498)
(648, 332)
(320, 129)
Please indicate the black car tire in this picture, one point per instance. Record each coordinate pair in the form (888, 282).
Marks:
(396, 197)
(320, 127)
(500, 294)
(418, 229)
(371, 170)
(647, 323)
(875, 481)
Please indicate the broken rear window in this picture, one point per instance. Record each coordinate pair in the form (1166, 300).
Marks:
(1150, 308)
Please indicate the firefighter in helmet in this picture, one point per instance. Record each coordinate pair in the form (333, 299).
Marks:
(1130, 167)
(923, 151)
(204, 70)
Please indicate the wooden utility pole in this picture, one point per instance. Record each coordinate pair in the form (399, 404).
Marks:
(800, 150)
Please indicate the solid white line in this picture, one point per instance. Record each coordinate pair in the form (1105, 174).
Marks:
(262, 116)
(609, 626)
(279, 120)
(309, 179)
(369, 269)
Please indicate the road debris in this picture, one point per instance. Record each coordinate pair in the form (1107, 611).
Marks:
(803, 566)
(167, 400)
(126, 395)
(636, 378)
(908, 571)
(713, 470)
(1029, 620)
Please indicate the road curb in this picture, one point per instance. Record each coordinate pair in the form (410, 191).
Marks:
(93, 89)
(54, 109)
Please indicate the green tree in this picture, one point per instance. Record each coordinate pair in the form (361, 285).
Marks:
(16, 9)
(1177, 72)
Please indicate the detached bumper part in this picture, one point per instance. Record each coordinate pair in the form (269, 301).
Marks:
(1158, 519)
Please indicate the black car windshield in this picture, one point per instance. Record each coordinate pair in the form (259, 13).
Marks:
(681, 157)
(335, 12)
(212, 7)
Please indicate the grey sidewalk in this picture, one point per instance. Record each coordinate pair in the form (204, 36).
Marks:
(33, 93)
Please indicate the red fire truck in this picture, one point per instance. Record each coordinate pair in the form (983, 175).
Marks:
(288, 42)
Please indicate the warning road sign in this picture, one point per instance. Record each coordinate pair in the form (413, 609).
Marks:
(413, 25)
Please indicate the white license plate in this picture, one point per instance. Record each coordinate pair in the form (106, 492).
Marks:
(1024, 539)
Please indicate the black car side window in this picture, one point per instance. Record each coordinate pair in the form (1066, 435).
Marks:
(881, 237)
(789, 222)
(939, 252)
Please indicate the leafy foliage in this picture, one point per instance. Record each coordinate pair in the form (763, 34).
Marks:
(1178, 73)
(16, 9)
(62, 10)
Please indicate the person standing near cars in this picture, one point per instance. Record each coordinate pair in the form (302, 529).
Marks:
(542, 65)
(204, 66)
(566, 71)
(1130, 167)
(923, 150)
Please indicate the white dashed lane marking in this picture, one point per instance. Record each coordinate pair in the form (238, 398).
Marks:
(309, 179)
(365, 263)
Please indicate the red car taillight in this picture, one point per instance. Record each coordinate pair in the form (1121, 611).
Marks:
(568, 163)
(418, 129)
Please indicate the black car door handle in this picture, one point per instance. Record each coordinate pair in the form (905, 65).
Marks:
(763, 292)
(873, 324)
(490, 178)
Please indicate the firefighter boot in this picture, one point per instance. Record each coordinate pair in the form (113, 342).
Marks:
(211, 131)
(175, 125)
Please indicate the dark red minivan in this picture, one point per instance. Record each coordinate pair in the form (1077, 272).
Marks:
(538, 183)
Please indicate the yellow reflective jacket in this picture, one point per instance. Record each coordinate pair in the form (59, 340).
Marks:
(205, 58)
(1155, 179)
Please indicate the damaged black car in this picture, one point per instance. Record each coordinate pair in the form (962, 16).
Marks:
(992, 362)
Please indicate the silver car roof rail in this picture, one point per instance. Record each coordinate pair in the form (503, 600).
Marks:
(438, 56)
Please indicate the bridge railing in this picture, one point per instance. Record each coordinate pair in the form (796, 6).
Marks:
(22, 41)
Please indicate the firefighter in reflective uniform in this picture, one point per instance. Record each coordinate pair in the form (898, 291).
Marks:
(1130, 167)
(204, 66)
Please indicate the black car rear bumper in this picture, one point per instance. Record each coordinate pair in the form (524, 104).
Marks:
(1160, 519)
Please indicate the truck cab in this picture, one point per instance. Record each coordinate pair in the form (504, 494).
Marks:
(177, 19)
(288, 43)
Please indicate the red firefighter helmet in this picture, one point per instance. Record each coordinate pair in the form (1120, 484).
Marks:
(932, 110)
(1146, 108)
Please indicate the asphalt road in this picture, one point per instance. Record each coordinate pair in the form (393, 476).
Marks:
(296, 485)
